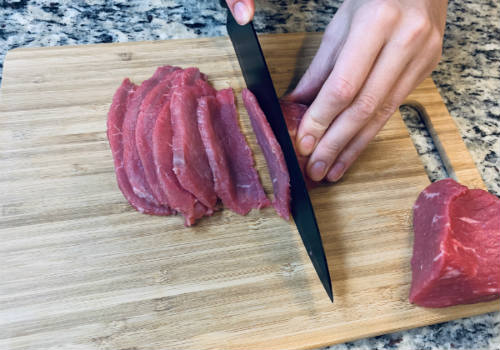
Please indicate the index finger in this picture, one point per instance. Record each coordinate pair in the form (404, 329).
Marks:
(366, 39)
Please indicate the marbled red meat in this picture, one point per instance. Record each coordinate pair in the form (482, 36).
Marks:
(197, 80)
(272, 152)
(116, 116)
(230, 158)
(293, 113)
(178, 198)
(150, 108)
(164, 166)
(456, 251)
(132, 162)
(190, 162)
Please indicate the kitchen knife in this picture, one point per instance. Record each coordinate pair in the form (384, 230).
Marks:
(254, 68)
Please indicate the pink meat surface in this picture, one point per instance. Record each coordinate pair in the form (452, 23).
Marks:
(190, 162)
(197, 80)
(178, 198)
(132, 162)
(115, 120)
(236, 179)
(456, 251)
(293, 113)
(149, 111)
(272, 152)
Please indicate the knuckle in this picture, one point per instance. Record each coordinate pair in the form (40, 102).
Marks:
(342, 90)
(365, 106)
(317, 124)
(380, 118)
(385, 12)
(435, 42)
(435, 48)
(416, 30)
(351, 155)
(330, 148)
(419, 25)
(388, 108)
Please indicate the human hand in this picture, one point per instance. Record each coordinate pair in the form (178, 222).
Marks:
(242, 10)
(373, 54)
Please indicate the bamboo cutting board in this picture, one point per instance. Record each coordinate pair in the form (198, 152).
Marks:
(80, 269)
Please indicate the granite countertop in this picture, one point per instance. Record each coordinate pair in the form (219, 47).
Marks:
(468, 79)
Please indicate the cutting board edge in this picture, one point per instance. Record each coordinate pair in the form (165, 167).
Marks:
(446, 136)
(292, 343)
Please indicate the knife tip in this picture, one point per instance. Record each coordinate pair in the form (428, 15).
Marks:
(327, 285)
(330, 293)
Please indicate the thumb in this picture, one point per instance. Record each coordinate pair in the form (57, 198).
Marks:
(242, 10)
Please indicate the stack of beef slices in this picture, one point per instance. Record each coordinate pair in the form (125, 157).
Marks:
(178, 147)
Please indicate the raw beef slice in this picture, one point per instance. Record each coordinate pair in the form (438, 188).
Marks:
(236, 179)
(116, 117)
(272, 152)
(194, 78)
(150, 108)
(293, 113)
(178, 198)
(456, 251)
(132, 162)
(189, 157)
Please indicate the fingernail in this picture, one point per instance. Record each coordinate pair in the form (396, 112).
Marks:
(317, 171)
(240, 13)
(307, 144)
(336, 172)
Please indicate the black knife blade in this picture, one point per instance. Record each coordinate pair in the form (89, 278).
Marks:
(258, 79)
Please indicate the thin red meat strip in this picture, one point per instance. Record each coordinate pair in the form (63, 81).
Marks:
(116, 116)
(156, 155)
(272, 152)
(293, 113)
(236, 179)
(198, 81)
(189, 157)
(456, 250)
(150, 108)
(178, 198)
(132, 162)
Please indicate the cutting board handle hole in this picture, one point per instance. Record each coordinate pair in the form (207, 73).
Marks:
(426, 141)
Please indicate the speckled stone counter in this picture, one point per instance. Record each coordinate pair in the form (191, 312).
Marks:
(468, 79)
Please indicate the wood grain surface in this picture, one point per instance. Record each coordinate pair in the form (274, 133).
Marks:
(80, 269)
